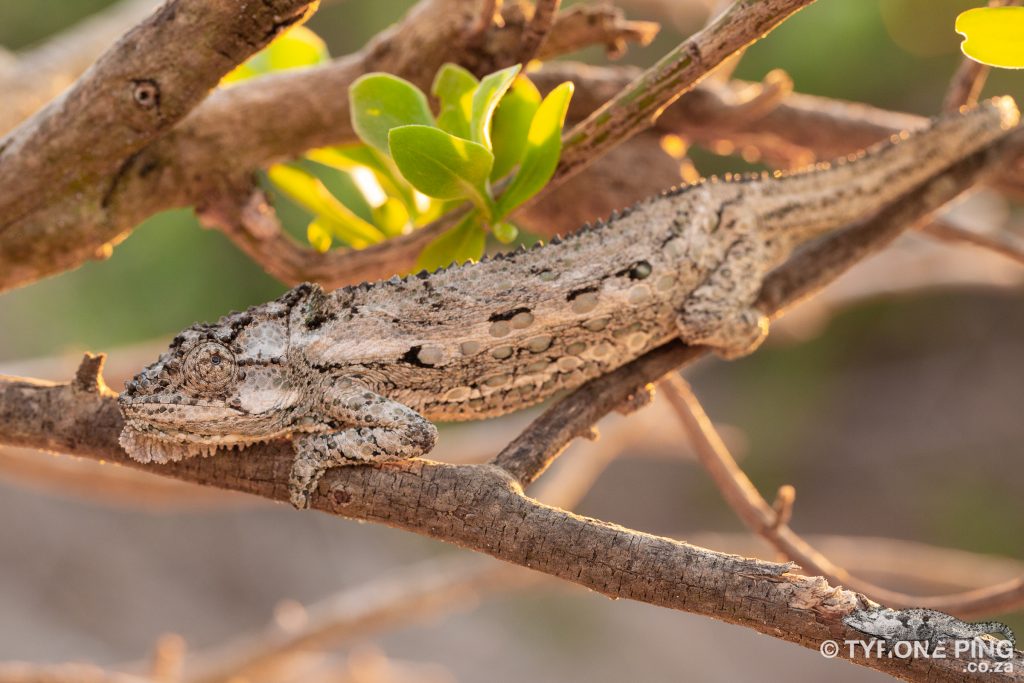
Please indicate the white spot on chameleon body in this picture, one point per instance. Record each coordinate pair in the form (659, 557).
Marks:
(637, 341)
(676, 248)
(569, 363)
(539, 344)
(430, 355)
(458, 394)
(576, 348)
(500, 328)
(585, 302)
(639, 294)
(521, 320)
(597, 324)
(468, 348)
(502, 352)
(665, 283)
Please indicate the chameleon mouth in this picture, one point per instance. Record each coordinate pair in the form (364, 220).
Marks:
(147, 444)
(152, 446)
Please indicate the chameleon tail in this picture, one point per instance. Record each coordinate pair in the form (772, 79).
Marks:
(806, 204)
(996, 627)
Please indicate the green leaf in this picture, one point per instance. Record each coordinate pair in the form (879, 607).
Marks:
(504, 232)
(492, 88)
(441, 165)
(453, 87)
(511, 125)
(543, 146)
(308, 192)
(464, 242)
(296, 47)
(318, 236)
(380, 102)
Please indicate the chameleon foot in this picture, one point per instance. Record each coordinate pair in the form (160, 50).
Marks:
(732, 337)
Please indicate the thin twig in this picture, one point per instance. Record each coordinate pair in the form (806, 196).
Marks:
(581, 26)
(764, 519)
(637, 105)
(538, 28)
(946, 231)
(969, 78)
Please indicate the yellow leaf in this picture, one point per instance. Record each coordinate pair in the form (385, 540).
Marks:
(993, 36)
(318, 236)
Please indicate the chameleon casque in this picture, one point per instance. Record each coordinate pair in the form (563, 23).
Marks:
(357, 375)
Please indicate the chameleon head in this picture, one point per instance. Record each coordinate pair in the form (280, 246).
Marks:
(220, 385)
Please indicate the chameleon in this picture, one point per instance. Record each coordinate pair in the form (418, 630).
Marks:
(359, 374)
(922, 625)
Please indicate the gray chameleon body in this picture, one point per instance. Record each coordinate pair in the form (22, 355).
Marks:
(357, 374)
(921, 625)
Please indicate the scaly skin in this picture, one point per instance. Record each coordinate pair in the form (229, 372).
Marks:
(923, 625)
(357, 374)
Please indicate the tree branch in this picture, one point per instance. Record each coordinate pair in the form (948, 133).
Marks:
(581, 26)
(36, 75)
(137, 90)
(636, 106)
(773, 524)
(946, 231)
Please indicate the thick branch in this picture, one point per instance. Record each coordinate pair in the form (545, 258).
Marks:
(141, 87)
(36, 75)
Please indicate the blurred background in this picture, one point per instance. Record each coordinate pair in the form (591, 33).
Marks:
(893, 408)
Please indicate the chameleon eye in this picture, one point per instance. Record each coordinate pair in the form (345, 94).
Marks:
(209, 367)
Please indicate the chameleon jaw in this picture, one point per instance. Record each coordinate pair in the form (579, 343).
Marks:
(146, 444)
(151, 446)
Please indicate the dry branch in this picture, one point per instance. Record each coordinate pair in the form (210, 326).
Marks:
(412, 594)
(1010, 247)
(581, 26)
(137, 90)
(773, 524)
(637, 105)
(34, 76)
